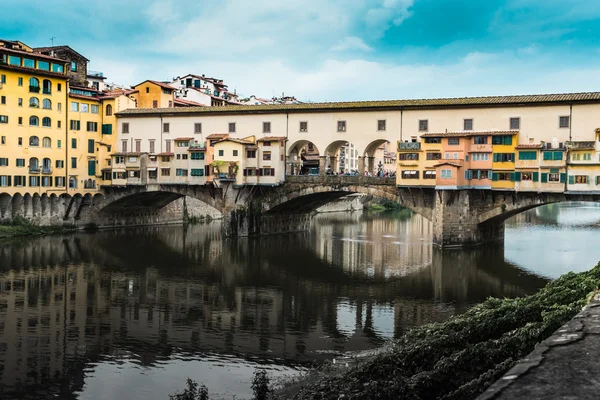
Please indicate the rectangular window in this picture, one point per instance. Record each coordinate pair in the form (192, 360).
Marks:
(84, 107)
(168, 146)
(58, 124)
(563, 122)
(341, 126)
(3, 162)
(267, 156)
(235, 153)
(74, 106)
(13, 60)
(528, 155)
(73, 143)
(19, 180)
(75, 125)
(303, 126)
(587, 157)
(197, 155)
(125, 127)
(58, 68)
(124, 146)
(381, 125)
(73, 162)
(3, 140)
(34, 181)
(60, 163)
(20, 81)
(408, 156)
(2, 99)
(480, 140)
(221, 153)
(4, 180)
(92, 167)
(468, 124)
(424, 127)
(504, 157)
(446, 174)
(480, 156)
(92, 127)
(29, 63)
(94, 109)
(107, 129)
(232, 127)
(73, 66)
(197, 172)
(251, 154)
(91, 145)
(4, 119)
(266, 127)
(515, 123)
(181, 172)
(502, 140)
(59, 181)
(557, 155)
(20, 162)
(453, 141)
(166, 127)
(197, 127)
(2, 78)
(59, 87)
(429, 175)
(165, 172)
(151, 142)
(154, 102)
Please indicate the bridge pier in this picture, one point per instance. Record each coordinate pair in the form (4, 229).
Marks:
(249, 221)
(456, 220)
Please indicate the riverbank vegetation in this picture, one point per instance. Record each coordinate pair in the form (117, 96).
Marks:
(460, 358)
(383, 205)
(19, 226)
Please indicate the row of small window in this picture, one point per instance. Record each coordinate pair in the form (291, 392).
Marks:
(33, 121)
(34, 102)
(259, 172)
(36, 64)
(250, 154)
(34, 181)
(34, 163)
(34, 84)
(584, 157)
(93, 108)
(34, 141)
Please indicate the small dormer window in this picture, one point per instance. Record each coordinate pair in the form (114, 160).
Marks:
(73, 66)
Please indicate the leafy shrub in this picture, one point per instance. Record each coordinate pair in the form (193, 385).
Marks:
(192, 392)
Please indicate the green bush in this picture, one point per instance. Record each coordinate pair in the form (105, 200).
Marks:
(193, 391)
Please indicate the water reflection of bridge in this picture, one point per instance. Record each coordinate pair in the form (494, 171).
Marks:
(74, 298)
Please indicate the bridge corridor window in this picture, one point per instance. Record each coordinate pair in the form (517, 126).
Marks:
(410, 174)
(446, 174)
(232, 127)
(266, 127)
(453, 141)
(515, 123)
(424, 127)
(303, 126)
(468, 124)
(408, 156)
(381, 125)
(429, 175)
(563, 122)
(341, 126)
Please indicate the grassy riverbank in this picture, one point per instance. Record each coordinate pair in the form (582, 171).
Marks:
(383, 205)
(460, 358)
(23, 227)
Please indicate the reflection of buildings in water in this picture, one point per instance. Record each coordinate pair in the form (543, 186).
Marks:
(370, 246)
(281, 297)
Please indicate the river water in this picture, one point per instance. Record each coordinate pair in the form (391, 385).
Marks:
(130, 314)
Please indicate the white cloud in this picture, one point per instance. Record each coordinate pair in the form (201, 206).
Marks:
(351, 43)
(390, 12)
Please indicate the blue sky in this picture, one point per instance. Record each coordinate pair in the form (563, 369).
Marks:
(330, 50)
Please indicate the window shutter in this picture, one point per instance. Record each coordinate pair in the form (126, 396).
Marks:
(245, 172)
(563, 178)
(536, 176)
(478, 174)
(558, 155)
(512, 176)
(507, 140)
(92, 167)
(544, 177)
(571, 179)
(272, 171)
(494, 176)
(512, 157)
(517, 177)
(466, 175)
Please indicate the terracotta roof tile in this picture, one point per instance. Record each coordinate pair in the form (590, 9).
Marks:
(454, 164)
(217, 135)
(181, 139)
(489, 101)
(163, 85)
(529, 146)
(127, 154)
(165, 154)
(271, 139)
(188, 103)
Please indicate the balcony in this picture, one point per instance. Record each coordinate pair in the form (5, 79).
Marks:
(409, 146)
(96, 74)
(47, 91)
(46, 170)
(34, 89)
(34, 169)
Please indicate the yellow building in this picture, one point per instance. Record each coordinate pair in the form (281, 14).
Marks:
(33, 124)
(584, 165)
(416, 162)
(503, 165)
(153, 94)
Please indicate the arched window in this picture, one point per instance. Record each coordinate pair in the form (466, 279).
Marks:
(34, 141)
(34, 85)
(47, 86)
(34, 164)
(46, 165)
(46, 142)
(34, 121)
(47, 104)
(46, 121)
(108, 110)
(34, 102)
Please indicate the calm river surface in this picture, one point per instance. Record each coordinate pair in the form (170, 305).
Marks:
(130, 314)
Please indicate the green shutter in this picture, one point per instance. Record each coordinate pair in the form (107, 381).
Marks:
(512, 176)
(558, 155)
(512, 157)
(494, 176)
(547, 155)
(495, 157)
(466, 175)
(544, 177)
(90, 145)
(571, 179)
(507, 140)
(563, 177)
(107, 129)
(536, 176)
(517, 177)
(92, 167)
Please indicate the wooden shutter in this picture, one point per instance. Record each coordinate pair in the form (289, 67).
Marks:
(571, 179)
(517, 177)
(272, 171)
(544, 177)
(563, 177)
(536, 176)
(494, 176)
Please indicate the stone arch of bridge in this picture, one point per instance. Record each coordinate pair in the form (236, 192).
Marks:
(341, 156)
(307, 198)
(302, 157)
(496, 208)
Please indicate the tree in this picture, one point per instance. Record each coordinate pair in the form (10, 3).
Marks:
(192, 392)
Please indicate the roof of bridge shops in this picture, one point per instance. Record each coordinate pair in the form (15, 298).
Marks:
(468, 133)
(381, 105)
